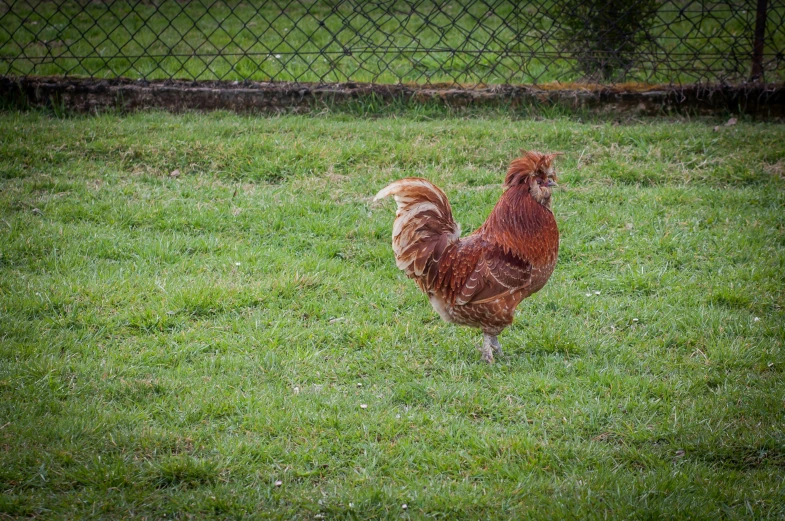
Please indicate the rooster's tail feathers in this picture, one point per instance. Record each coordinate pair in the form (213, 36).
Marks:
(423, 223)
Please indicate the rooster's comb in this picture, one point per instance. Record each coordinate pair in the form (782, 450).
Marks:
(527, 165)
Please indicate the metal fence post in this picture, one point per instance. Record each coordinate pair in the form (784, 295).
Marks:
(757, 46)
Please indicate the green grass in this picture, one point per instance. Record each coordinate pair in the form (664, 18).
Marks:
(416, 42)
(173, 346)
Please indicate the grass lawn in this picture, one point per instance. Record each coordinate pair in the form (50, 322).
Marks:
(174, 346)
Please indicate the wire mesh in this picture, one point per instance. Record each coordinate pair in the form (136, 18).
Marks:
(465, 43)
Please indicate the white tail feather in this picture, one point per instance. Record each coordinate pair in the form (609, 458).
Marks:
(423, 223)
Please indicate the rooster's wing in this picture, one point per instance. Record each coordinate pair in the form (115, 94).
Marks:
(476, 271)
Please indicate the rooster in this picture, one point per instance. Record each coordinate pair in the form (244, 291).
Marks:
(479, 280)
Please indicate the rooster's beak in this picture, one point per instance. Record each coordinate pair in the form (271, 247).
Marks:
(551, 183)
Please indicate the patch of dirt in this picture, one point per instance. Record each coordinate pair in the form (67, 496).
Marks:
(777, 168)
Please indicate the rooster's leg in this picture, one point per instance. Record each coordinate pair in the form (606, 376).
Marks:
(487, 347)
(497, 347)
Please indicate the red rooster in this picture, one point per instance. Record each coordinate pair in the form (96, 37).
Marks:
(479, 280)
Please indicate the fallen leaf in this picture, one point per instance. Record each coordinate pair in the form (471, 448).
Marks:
(174, 173)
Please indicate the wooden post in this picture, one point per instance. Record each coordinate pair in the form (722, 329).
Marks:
(757, 46)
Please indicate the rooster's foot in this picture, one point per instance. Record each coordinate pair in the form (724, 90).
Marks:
(489, 346)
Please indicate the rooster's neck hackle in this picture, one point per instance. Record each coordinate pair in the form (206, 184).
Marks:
(518, 222)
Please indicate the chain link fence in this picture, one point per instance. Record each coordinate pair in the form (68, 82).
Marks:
(457, 42)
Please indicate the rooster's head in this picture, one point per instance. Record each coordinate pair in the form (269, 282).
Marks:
(535, 171)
